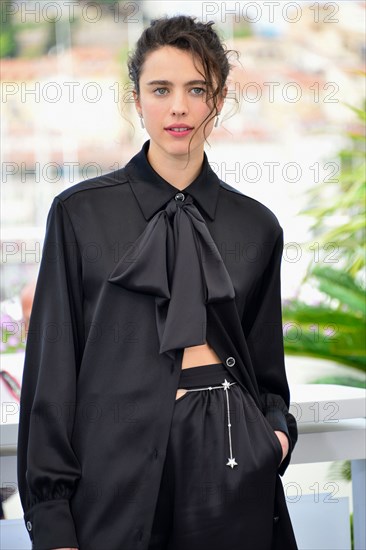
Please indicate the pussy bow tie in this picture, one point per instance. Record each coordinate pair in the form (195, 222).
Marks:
(176, 260)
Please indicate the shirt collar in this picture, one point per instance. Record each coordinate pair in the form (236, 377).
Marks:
(152, 191)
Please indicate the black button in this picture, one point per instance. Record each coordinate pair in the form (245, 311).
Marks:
(230, 361)
(275, 519)
(29, 526)
(155, 453)
(139, 534)
(179, 197)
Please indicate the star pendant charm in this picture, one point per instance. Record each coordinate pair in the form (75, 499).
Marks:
(231, 462)
(226, 384)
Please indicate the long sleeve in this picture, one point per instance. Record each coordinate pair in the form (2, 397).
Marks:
(48, 469)
(264, 336)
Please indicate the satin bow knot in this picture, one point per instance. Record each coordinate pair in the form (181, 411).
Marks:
(176, 260)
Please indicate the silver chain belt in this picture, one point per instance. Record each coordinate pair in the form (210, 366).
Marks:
(224, 386)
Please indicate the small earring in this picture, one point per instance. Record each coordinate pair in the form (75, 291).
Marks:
(217, 121)
(142, 122)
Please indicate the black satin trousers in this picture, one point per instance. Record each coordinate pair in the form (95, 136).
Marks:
(204, 502)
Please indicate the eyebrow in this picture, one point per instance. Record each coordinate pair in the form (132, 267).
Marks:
(168, 83)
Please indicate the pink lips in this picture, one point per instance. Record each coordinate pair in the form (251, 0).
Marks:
(179, 133)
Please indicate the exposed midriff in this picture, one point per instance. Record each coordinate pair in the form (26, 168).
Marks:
(197, 356)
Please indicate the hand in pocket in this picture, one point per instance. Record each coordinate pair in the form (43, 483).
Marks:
(284, 443)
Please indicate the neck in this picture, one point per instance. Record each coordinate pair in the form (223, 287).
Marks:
(174, 169)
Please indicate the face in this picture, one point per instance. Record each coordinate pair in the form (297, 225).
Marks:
(181, 100)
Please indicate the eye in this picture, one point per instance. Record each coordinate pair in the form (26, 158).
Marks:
(200, 89)
(158, 89)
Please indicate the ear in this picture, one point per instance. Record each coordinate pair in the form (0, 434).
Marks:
(221, 101)
(136, 101)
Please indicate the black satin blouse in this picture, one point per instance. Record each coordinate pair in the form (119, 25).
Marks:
(134, 270)
(176, 260)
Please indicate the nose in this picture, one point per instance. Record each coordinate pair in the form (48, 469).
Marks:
(179, 104)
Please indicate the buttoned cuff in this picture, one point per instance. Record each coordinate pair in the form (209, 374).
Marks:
(50, 525)
(277, 419)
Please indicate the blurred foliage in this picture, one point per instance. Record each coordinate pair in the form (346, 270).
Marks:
(342, 313)
(12, 337)
(342, 381)
(352, 532)
(344, 197)
(341, 470)
(242, 31)
(337, 324)
(8, 45)
(327, 331)
(51, 41)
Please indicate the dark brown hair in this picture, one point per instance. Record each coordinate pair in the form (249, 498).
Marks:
(185, 33)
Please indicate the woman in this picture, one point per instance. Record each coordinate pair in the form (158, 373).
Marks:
(154, 408)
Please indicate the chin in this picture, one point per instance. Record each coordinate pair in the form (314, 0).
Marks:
(183, 143)
(179, 147)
